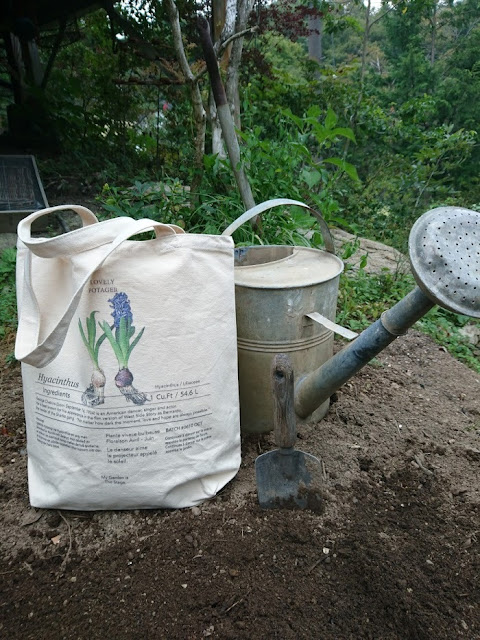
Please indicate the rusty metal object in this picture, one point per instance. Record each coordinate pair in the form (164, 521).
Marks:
(444, 247)
(276, 287)
(280, 289)
(287, 478)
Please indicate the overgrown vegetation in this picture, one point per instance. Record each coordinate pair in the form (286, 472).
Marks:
(8, 308)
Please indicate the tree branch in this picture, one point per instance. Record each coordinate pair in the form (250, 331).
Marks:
(199, 114)
(56, 46)
(177, 40)
(220, 47)
(394, 6)
(147, 50)
(149, 82)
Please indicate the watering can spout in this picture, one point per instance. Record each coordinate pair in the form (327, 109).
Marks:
(316, 387)
(447, 274)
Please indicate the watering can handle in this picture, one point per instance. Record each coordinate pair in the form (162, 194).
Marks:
(277, 202)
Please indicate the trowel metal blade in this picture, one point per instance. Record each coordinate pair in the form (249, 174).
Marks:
(289, 479)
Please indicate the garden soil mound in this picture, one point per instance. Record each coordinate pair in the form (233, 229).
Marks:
(393, 556)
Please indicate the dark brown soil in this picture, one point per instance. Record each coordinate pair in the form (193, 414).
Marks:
(394, 555)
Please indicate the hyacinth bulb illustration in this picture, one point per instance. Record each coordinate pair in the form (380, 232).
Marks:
(119, 335)
(94, 394)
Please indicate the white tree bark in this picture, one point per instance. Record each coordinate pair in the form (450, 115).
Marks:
(244, 8)
(218, 147)
(236, 18)
(235, 14)
(229, 15)
(230, 19)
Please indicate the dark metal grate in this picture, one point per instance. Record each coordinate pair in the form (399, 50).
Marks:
(21, 191)
(20, 186)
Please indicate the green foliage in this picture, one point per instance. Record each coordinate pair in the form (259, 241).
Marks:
(412, 167)
(166, 201)
(169, 201)
(294, 164)
(8, 308)
(89, 108)
(285, 57)
(90, 338)
(364, 297)
(108, 124)
(413, 112)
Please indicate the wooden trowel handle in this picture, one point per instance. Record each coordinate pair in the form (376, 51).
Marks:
(283, 402)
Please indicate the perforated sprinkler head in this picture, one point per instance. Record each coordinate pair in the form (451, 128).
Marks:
(444, 248)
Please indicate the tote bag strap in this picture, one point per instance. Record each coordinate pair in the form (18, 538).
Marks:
(28, 348)
(92, 234)
(277, 202)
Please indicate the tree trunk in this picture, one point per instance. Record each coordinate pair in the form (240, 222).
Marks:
(244, 8)
(224, 114)
(14, 60)
(433, 22)
(199, 115)
(315, 28)
(224, 15)
(56, 47)
(366, 36)
(218, 148)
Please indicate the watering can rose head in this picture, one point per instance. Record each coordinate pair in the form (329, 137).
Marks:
(121, 308)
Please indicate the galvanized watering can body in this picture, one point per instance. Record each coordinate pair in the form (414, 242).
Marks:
(273, 297)
(276, 287)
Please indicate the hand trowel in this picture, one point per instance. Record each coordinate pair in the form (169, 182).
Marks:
(287, 478)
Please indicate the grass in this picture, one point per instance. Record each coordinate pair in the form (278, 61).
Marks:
(8, 307)
(363, 298)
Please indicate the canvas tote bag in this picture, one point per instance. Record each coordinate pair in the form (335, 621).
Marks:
(129, 364)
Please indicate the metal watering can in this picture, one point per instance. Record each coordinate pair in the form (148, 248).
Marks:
(286, 302)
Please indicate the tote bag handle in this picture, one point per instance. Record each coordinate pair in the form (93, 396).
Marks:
(277, 202)
(109, 235)
(92, 234)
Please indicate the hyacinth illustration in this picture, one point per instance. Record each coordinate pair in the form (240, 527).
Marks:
(119, 336)
(94, 394)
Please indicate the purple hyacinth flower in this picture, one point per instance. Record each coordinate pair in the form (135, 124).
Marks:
(121, 309)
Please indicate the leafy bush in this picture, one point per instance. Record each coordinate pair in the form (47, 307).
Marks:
(412, 167)
(300, 163)
(8, 308)
(170, 202)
